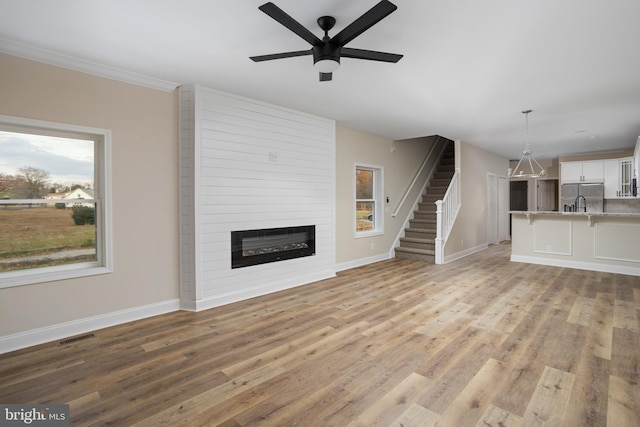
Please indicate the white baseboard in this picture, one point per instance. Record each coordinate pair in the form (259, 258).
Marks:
(219, 300)
(63, 330)
(363, 261)
(605, 268)
(466, 252)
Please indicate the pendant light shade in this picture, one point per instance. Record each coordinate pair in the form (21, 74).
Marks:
(525, 167)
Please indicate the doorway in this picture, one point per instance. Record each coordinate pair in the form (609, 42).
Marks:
(518, 197)
(497, 208)
(547, 194)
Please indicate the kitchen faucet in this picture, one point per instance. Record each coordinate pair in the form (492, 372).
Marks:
(576, 204)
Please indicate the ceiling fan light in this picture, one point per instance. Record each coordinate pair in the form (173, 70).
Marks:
(326, 65)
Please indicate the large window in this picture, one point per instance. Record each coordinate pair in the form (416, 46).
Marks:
(369, 206)
(54, 201)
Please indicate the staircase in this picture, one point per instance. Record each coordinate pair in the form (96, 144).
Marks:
(419, 241)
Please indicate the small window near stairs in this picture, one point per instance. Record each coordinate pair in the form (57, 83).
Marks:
(368, 201)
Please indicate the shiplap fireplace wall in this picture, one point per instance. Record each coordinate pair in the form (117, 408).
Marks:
(245, 165)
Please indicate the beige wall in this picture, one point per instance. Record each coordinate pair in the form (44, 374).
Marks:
(470, 229)
(145, 191)
(355, 147)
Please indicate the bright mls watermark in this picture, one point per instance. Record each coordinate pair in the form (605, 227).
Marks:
(54, 415)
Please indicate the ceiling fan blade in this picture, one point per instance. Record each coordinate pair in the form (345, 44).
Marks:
(366, 21)
(281, 16)
(260, 58)
(370, 54)
(325, 77)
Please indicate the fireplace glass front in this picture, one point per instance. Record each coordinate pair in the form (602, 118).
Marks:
(252, 247)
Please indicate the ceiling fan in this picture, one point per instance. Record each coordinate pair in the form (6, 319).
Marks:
(328, 51)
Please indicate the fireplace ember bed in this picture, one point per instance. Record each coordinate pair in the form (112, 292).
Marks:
(253, 247)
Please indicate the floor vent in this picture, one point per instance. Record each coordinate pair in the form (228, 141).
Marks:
(76, 339)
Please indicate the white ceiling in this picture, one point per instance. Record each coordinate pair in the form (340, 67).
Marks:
(469, 68)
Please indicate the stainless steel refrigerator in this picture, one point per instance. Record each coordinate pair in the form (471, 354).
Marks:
(582, 197)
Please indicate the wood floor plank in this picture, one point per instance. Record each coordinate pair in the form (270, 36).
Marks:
(480, 341)
(447, 372)
(550, 400)
(624, 403)
(496, 417)
(601, 328)
(469, 405)
(625, 355)
(581, 311)
(174, 414)
(416, 416)
(625, 315)
(588, 404)
(502, 306)
(273, 354)
(524, 351)
(392, 404)
(450, 316)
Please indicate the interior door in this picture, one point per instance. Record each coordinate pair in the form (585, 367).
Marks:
(546, 194)
(492, 209)
(503, 208)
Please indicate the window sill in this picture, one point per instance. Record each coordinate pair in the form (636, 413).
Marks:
(21, 277)
(361, 234)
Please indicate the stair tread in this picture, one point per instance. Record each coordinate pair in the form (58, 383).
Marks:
(420, 230)
(416, 251)
(417, 240)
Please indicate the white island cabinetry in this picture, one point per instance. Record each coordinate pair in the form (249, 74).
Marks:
(596, 241)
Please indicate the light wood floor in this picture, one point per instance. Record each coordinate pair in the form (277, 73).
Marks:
(477, 342)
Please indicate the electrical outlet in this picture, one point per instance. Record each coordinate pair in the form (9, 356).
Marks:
(548, 248)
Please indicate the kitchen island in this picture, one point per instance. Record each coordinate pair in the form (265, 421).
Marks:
(600, 241)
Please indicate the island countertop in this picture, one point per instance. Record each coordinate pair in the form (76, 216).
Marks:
(607, 214)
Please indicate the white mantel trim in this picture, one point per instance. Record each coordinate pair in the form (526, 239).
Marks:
(53, 58)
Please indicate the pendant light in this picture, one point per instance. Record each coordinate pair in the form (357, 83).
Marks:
(527, 158)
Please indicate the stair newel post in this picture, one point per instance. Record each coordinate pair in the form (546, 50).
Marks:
(439, 233)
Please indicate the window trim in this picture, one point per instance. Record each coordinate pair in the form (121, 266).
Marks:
(102, 184)
(378, 199)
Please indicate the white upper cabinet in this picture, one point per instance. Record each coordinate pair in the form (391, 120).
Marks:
(617, 177)
(611, 184)
(590, 171)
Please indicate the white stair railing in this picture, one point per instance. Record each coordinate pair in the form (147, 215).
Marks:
(446, 212)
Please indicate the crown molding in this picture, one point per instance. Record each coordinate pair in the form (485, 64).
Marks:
(53, 58)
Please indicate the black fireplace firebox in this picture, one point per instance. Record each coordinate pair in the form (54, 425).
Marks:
(253, 247)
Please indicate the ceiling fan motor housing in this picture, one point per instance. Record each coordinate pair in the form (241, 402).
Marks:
(326, 51)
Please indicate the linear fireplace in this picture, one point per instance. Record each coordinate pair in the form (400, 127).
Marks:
(252, 247)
